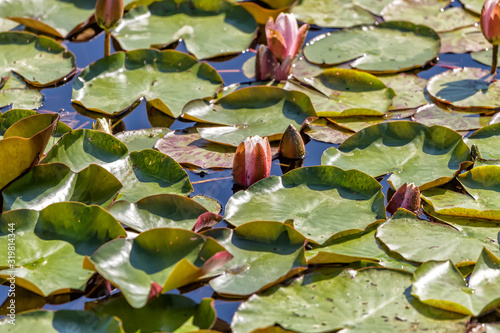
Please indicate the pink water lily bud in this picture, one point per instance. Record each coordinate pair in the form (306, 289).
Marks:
(267, 67)
(108, 13)
(407, 197)
(291, 144)
(252, 161)
(284, 38)
(490, 21)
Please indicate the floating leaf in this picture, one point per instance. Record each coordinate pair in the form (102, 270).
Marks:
(166, 79)
(15, 94)
(265, 253)
(388, 47)
(321, 202)
(211, 204)
(469, 39)
(370, 300)
(373, 6)
(324, 130)
(474, 6)
(488, 141)
(39, 60)
(485, 57)
(409, 90)
(441, 285)
(411, 152)
(263, 111)
(6, 24)
(420, 241)
(432, 114)
(141, 139)
(331, 13)
(466, 88)
(262, 14)
(196, 23)
(51, 244)
(49, 183)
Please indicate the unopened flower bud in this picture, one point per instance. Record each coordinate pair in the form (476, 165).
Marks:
(108, 13)
(407, 197)
(291, 145)
(252, 161)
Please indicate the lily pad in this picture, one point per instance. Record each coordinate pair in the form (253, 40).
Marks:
(388, 47)
(409, 90)
(441, 285)
(158, 211)
(474, 6)
(373, 6)
(141, 139)
(420, 241)
(265, 253)
(430, 13)
(485, 57)
(370, 300)
(432, 114)
(166, 79)
(469, 39)
(409, 151)
(466, 88)
(481, 201)
(332, 13)
(169, 257)
(262, 14)
(50, 244)
(39, 60)
(343, 92)
(166, 313)
(6, 24)
(321, 202)
(188, 147)
(196, 23)
(15, 94)
(326, 131)
(61, 321)
(488, 141)
(211, 204)
(49, 183)
(263, 111)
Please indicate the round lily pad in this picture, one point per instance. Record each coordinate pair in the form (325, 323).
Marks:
(468, 39)
(6, 24)
(466, 88)
(369, 300)
(373, 6)
(342, 92)
(321, 202)
(488, 141)
(15, 94)
(409, 90)
(409, 151)
(51, 244)
(196, 23)
(265, 253)
(485, 57)
(326, 131)
(39, 60)
(388, 47)
(166, 79)
(430, 13)
(263, 111)
(474, 6)
(432, 114)
(332, 13)
(141, 139)
(420, 240)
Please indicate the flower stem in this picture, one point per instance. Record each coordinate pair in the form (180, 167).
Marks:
(107, 42)
(494, 60)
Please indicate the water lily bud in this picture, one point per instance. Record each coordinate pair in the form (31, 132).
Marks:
(291, 145)
(102, 125)
(108, 13)
(252, 161)
(490, 21)
(407, 197)
(284, 38)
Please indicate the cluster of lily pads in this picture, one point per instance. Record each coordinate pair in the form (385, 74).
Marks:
(113, 217)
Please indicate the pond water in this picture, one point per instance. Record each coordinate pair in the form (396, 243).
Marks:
(59, 99)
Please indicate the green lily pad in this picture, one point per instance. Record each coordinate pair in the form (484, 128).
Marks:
(143, 173)
(15, 94)
(49, 183)
(6, 24)
(485, 57)
(141, 139)
(166, 313)
(430, 13)
(12, 116)
(474, 6)
(39, 60)
(432, 114)
(373, 6)
(420, 241)
(263, 111)
(61, 321)
(321, 202)
(441, 285)
(211, 204)
(409, 90)
(265, 253)
(158, 211)
(188, 147)
(388, 47)
(196, 23)
(411, 152)
(483, 187)
(488, 141)
(469, 39)
(465, 88)
(326, 131)
(369, 300)
(342, 92)
(169, 257)
(332, 13)
(50, 244)
(166, 79)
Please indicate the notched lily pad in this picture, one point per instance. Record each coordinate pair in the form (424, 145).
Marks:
(488, 141)
(141, 139)
(327, 131)
(409, 90)
(432, 114)
(468, 39)
(14, 93)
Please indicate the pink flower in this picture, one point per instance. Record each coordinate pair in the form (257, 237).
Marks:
(490, 21)
(407, 197)
(108, 13)
(252, 161)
